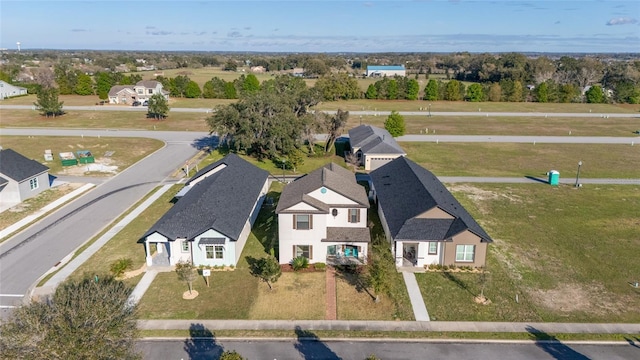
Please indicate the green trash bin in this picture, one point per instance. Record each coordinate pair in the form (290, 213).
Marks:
(554, 178)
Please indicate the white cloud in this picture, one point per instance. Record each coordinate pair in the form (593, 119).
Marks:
(622, 21)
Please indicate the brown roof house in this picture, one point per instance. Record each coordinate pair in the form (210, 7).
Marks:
(423, 221)
(323, 216)
(141, 91)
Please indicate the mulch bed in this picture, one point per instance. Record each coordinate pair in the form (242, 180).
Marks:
(289, 268)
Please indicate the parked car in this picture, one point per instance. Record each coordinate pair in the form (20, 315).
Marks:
(145, 103)
(136, 103)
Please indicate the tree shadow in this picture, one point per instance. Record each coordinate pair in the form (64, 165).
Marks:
(310, 346)
(552, 346)
(459, 283)
(201, 343)
(265, 227)
(632, 341)
(207, 143)
(356, 277)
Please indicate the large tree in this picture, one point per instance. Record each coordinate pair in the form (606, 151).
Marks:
(48, 103)
(269, 123)
(158, 107)
(85, 319)
(431, 91)
(84, 85)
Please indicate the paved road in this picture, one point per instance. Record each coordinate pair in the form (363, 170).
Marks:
(355, 113)
(24, 258)
(357, 350)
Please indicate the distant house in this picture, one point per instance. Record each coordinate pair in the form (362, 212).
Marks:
(21, 177)
(7, 90)
(211, 221)
(423, 221)
(386, 70)
(323, 216)
(258, 69)
(298, 72)
(373, 146)
(141, 91)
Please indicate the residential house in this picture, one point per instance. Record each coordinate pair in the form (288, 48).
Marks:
(141, 91)
(7, 90)
(386, 70)
(323, 216)
(423, 221)
(373, 146)
(211, 221)
(258, 69)
(21, 177)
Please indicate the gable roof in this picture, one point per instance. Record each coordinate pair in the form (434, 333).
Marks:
(374, 140)
(385, 67)
(117, 88)
(406, 190)
(18, 167)
(331, 176)
(222, 201)
(149, 84)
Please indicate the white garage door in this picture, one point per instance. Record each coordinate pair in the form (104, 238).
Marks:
(376, 162)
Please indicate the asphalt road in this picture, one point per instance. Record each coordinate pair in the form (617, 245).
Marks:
(359, 350)
(356, 113)
(24, 258)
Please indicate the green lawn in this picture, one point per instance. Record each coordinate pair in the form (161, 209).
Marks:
(519, 160)
(565, 251)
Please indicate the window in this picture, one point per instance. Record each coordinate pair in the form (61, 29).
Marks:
(433, 248)
(140, 91)
(465, 253)
(214, 252)
(354, 215)
(303, 250)
(150, 91)
(33, 183)
(185, 246)
(302, 222)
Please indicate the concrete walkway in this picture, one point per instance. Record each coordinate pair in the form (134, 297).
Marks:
(361, 325)
(417, 303)
(50, 286)
(45, 209)
(142, 287)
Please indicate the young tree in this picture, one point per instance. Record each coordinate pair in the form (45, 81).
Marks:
(158, 107)
(372, 92)
(475, 93)
(295, 159)
(594, 95)
(230, 65)
(377, 273)
(431, 90)
(187, 273)
(395, 124)
(452, 92)
(495, 92)
(192, 90)
(413, 89)
(251, 84)
(542, 93)
(266, 269)
(84, 319)
(48, 103)
(104, 82)
(84, 85)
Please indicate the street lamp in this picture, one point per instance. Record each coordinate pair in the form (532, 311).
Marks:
(429, 110)
(578, 174)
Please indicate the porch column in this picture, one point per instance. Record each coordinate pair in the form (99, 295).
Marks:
(147, 251)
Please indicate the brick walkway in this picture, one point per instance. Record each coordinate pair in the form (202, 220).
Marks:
(332, 309)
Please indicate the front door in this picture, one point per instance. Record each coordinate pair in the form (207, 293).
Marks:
(351, 251)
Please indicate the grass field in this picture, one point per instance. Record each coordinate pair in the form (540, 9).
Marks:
(127, 151)
(519, 160)
(564, 251)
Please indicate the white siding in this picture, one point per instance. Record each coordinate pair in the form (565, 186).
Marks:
(288, 236)
(200, 255)
(301, 207)
(342, 218)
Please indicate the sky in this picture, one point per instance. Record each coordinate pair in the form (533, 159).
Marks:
(564, 26)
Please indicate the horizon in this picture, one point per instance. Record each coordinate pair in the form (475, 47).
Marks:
(573, 27)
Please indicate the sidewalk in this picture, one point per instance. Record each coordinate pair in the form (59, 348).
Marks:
(50, 286)
(417, 303)
(45, 209)
(438, 326)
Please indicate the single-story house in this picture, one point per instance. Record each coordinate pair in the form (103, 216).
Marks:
(212, 218)
(422, 220)
(8, 90)
(373, 146)
(21, 177)
(323, 216)
(141, 91)
(386, 70)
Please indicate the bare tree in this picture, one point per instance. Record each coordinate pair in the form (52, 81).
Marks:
(44, 77)
(352, 160)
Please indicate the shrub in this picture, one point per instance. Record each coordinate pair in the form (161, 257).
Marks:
(299, 263)
(120, 266)
(231, 355)
(320, 266)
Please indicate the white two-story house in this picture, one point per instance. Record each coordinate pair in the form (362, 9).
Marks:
(323, 216)
(141, 91)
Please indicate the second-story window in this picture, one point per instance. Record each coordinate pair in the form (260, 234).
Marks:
(302, 222)
(354, 215)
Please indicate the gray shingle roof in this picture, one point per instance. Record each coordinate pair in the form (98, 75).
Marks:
(18, 167)
(222, 201)
(349, 234)
(117, 88)
(374, 140)
(331, 176)
(406, 190)
(149, 84)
